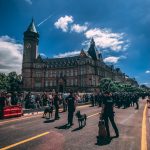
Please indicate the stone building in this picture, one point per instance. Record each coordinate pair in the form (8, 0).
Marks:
(80, 73)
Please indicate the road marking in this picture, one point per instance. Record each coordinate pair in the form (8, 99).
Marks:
(144, 136)
(83, 106)
(18, 119)
(32, 116)
(129, 117)
(24, 141)
(93, 115)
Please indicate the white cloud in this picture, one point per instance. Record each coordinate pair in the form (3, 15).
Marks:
(67, 54)
(105, 38)
(145, 83)
(43, 55)
(10, 55)
(63, 22)
(113, 59)
(78, 28)
(29, 2)
(148, 71)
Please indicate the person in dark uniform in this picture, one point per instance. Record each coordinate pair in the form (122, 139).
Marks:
(108, 113)
(71, 108)
(2, 104)
(45, 99)
(92, 100)
(56, 104)
(136, 99)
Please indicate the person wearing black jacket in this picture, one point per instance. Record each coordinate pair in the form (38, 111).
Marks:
(71, 108)
(108, 113)
(56, 104)
(2, 103)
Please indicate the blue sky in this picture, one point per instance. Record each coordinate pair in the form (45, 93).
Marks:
(121, 30)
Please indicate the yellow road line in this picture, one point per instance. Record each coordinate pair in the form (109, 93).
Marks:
(24, 141)
(35, 137)
(93, 115)
(144, 136)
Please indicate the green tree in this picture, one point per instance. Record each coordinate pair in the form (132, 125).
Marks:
(14, 82)
(11, 82)
(3, 82)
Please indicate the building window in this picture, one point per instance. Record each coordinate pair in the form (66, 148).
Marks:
(68, 82)
(37, 84)
(71, 82)
(50, 83)
(54, 74)
(50, 73)
(75, 81)
(46, 74)
(81, 71)
(46, 83)
(38, 74)
(54, 83)
(75, 73)
(67, 73)
(71, 72)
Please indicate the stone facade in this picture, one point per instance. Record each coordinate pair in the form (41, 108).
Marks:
(80, 73)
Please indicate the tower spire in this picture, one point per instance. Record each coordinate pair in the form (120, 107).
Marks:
(92, 42)
(92, 50)
(31, 27)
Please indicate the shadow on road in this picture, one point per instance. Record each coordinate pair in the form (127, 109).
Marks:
(65, 126)
(77, 129)
(105, 141)
(101, 142)
(49, 121)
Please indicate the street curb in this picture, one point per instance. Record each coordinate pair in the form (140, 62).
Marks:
(27, 112)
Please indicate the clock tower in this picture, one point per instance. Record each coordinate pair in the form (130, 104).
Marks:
(30, 52)
(31, 39)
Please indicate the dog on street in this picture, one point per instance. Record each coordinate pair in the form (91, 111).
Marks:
(48, 110)
(81, 119)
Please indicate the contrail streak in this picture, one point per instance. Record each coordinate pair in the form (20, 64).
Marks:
(44, 20)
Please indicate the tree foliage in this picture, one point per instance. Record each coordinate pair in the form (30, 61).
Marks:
(107, 84)
(11, 82)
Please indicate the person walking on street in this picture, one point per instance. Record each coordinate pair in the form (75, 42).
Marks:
(56, 104)
(108, 113)
(71, 108)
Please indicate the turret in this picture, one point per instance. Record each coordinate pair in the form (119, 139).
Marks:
(93, 52)
(31, 39)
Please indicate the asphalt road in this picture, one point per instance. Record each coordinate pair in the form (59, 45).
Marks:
(34, 132)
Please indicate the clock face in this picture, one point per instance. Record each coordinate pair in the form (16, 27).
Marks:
(28, 45)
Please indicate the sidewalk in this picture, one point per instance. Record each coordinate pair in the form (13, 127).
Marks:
(37, 111)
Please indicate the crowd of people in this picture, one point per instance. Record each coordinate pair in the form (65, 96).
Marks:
(39, 100)
(106, 100)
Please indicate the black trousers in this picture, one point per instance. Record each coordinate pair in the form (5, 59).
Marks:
(111, 118)
(64, 107)
(137, 105)
(56, 112)
(70, 117)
